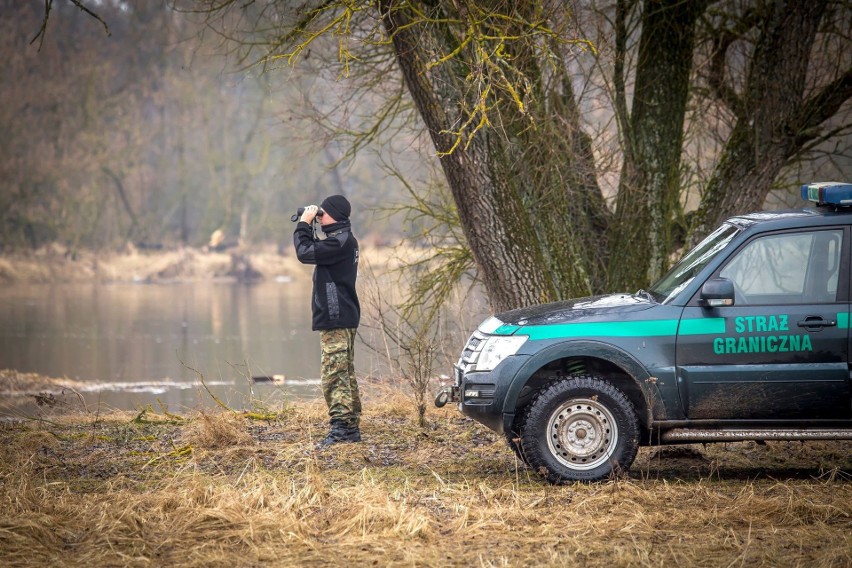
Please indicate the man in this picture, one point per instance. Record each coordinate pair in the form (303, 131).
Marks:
(336, 311)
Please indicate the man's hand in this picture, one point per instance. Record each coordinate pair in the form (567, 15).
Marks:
(309, 214)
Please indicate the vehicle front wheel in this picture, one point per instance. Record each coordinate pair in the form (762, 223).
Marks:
(580, 429)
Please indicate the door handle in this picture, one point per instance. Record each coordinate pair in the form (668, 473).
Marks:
(815, 323)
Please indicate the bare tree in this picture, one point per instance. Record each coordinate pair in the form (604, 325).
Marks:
(408, 337)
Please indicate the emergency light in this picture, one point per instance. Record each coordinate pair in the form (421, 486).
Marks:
(828, 193)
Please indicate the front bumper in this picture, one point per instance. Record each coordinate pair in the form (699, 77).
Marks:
(446, 394)
(482, 395)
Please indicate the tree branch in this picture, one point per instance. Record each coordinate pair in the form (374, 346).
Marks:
(722, 41)
(820, 107)
(48, 6)
(621, 10)
(811, 144)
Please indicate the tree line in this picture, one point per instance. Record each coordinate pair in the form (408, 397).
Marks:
(138, 130)
(576, 147)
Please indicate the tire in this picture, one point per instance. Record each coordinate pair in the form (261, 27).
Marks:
(580, 429)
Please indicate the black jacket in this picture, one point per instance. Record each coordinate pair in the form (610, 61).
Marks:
(335, 302)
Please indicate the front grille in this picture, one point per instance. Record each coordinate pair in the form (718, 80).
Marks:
(471, 350)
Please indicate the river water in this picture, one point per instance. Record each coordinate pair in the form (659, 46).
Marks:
(133, 344)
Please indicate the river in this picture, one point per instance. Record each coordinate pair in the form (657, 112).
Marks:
(133, 344)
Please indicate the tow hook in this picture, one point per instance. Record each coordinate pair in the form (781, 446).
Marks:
(445, 395)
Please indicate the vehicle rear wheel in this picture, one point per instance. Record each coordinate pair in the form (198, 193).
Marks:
(580, 429)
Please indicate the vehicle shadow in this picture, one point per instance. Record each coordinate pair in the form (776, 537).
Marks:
(736, 461)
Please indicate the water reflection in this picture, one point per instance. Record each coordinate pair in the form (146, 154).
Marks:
(130, 337)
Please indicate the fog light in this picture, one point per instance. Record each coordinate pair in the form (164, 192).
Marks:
(480, 393)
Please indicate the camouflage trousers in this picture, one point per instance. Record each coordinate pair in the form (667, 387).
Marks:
(337, 368)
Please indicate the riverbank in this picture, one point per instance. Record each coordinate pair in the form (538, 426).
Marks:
(238, 489)
(56, 264)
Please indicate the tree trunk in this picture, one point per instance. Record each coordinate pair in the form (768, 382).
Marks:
(492, 213)
(774, 119)
(640, 238)
(119, 188)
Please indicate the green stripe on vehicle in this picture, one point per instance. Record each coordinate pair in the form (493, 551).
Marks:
(506, 329)
(648, 328)
(602, 329)
(702, 326)
(843, 320)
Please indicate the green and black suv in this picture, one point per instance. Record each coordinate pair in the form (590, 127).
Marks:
(746, 338)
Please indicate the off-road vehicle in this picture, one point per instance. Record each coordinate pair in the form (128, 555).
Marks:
(746, 338)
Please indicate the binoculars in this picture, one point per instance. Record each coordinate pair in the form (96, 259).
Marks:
(301, 210)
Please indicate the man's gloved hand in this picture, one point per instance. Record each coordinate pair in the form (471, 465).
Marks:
(309, 214)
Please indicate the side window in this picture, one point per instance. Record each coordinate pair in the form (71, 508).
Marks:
(788, 268)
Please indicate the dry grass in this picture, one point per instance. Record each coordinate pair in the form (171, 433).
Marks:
(220, 489)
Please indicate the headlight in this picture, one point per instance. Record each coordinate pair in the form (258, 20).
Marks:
(490, 325)
(497, 348)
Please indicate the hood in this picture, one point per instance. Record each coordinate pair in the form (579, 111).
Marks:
(593, 307)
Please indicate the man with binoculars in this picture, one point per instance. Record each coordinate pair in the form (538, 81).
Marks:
(336, 311)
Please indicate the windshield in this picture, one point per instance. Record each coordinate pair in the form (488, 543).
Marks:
(684, 271)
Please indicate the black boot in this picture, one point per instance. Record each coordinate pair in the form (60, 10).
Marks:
(340, 432)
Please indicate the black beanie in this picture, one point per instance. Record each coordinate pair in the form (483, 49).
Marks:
(337, 206)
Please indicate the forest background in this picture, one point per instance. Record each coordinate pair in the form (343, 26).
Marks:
(534, 146)
(147, 136)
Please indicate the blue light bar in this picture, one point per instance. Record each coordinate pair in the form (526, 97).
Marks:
(828, 193)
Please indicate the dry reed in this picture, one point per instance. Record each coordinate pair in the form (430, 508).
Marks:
(221, 489)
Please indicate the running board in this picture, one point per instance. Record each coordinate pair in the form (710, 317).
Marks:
(691, 435)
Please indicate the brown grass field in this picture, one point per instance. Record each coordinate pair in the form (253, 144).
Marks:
(218, 488)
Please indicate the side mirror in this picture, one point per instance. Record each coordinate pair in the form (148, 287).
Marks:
(717, 292)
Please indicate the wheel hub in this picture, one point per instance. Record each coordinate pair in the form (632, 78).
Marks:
(582, 433)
